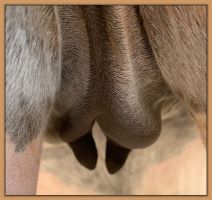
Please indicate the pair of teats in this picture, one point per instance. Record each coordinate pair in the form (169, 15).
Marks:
(109, 75)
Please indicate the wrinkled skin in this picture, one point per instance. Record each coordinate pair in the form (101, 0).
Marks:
(109, 81)
(116, 65)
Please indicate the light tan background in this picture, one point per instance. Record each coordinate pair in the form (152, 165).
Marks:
(174, 165)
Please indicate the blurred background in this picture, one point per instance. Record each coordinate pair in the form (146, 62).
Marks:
(174, 165)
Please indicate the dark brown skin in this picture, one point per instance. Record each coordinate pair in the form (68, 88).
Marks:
(113, 87)
(122, 86)
(85, 151)
(118, 65)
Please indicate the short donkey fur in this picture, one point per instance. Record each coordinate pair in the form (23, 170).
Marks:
(68, 66)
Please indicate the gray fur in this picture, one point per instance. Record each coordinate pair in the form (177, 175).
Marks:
(32, 70)
(178, 37)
